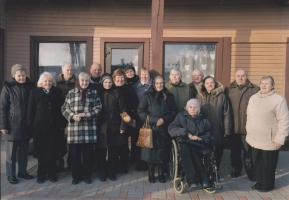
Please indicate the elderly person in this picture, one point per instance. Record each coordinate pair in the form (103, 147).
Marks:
(216, 108)
(81, 108)
(158, 105)
(45, 118)
(191, 125)
(239, 93)
(180, 90)
(267, 127)
(95, 72)
(112, 128)
(131, 102)
(197, 77)
(13, 112)
(65, 81)
(131, 77)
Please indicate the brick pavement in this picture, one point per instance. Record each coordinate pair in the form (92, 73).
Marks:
(135, 185)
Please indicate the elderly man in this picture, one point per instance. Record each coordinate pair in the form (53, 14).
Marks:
(95, 72)
(65, 81)
(180, 90)
(197, 77)
(239, 93)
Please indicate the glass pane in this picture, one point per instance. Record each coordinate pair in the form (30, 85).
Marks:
(188, 57)
(120, 58)
(53, 55)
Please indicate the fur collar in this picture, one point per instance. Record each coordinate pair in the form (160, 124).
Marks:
(201, 90)
(248, 84)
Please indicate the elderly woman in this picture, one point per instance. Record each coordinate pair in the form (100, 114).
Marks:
(45, 118)
(131, 103)
(267, 127)
(180, 90)
(13, 112)
(81, 108)
(216, 108)
(111, 135)
(191, 125)
(158, 105)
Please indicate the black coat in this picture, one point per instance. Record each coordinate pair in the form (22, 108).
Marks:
(155, 106)
(44, 115)
(109, 120)
(13, 109)
(185, 124)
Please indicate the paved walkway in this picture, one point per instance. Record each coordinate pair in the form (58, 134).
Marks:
(135, 185)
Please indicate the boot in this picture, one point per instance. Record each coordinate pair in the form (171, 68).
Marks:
(151, 172)
(161, 173)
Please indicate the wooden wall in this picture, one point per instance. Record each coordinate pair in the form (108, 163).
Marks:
(259, 31)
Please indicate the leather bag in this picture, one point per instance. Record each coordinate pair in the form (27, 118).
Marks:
(145, 138)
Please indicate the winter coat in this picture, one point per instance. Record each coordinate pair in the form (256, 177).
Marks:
(109, 121)
(267, 120)
(156, 107)
(133, 80)
(181, 92)
(13, 109)
(65, 86)
(239, 101)
(140, 88)
(216, 108)
(84, 131)
(44, 115)
(193, 89)
(184, 124)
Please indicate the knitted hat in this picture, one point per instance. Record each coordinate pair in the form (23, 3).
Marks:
(105, 76)
(129, 67)
(15, 68)
(195, 102)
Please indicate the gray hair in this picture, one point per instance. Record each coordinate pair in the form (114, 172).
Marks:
(83, 75)
(66, 64)
(242, 69)
(42, 76)
(199, 71)
(270, 78)
(176, 70)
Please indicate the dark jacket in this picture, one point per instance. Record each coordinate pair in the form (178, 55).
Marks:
(239, 99)
(193, 89)
(109, 121)
(44, 115)
(155, 106)
(65, 86)
(13, 109)
(133, 80)
(216, 108)
(185, 124)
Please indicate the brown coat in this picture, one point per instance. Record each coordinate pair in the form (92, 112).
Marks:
(239, 101)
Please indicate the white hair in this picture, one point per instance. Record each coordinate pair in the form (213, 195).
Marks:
(42, 76)
(83, 75)
(242, 69)
(176, 70)
(66, 64)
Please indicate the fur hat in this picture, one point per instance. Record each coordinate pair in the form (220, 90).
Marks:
(129, 67)
(15, 68)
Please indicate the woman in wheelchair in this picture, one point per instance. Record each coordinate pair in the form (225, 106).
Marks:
(195, 132)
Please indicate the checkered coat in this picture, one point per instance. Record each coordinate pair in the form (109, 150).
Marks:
(84, 131)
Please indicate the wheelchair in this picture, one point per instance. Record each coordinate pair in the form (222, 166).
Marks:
(177, 175)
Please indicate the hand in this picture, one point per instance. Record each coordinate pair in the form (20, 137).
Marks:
(277, 145)
(194, 137)
(82, 115)
(160, 122)
(121, 131)
(76, 118)
(134, 123)
(4, 131)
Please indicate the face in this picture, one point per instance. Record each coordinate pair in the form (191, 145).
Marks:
(107, 84)
(129, 73)
(144, 76)
(241, 77)
(119, 81)
(175, 77)
(159, 84)
(67, 71)
(266, 86)
(193, 110)
(46, 83)
(84, 82)
(209, 84)
(95, 70)
(20, 76)
(197, 76)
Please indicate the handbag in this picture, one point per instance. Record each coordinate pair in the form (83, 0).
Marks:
(145, 138)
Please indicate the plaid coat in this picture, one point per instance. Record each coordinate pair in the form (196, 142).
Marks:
(84, 131)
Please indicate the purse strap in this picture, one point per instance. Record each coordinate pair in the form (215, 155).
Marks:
(147, 124)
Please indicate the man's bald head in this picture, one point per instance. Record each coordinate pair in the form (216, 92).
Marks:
(95, 70)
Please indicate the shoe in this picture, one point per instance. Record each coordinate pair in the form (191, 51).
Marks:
(39, 181)
(264, 190)
(88, 180)
(205, 184)
(112, 177)
(152, 178)
(102, 178)
(25, 175)
(235, 173)
(12, 179)
(251, 177)
(53, 179)
(161, 174)
(75, 181)
(123, 171)
(192, 183)
(257, 186)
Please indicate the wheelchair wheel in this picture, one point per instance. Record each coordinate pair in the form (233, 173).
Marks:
(179, 185)
(210, 190)
(173, 163)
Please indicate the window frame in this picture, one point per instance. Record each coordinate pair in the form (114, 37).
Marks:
(35, 40)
